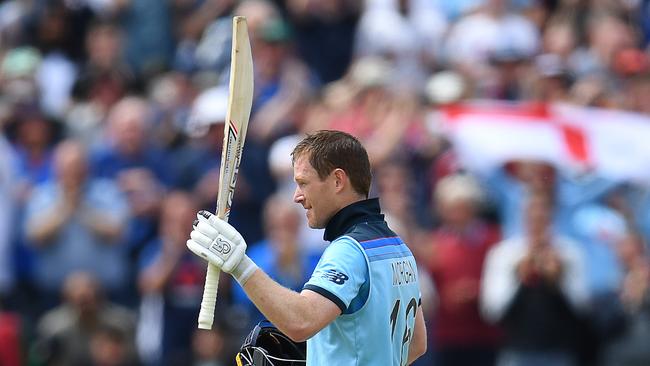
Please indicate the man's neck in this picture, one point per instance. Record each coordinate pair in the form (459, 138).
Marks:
(353, 213)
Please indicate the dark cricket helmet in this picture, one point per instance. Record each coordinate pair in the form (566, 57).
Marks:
(266, 345)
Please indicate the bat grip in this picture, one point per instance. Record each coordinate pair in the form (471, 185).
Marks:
(206, 314)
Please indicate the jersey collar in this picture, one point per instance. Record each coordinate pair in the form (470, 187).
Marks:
(350, 215)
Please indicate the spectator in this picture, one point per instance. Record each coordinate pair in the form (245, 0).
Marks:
(280, 166)
(494, 28)
(110, 346)
(281, 253)
(311, 240)
(73, 221)
(636, 210)
(58, 26)
(560, 38)
(512, 76)
(139, 168)
(7, 214)
(17, 71)
(148, 48)
(128, 146)
(394, 186)
(171, 96)
(325, 34)
(11, 335)
(637, 89)
(454, 255)
(372, 112)
(534, 287)
(103, 80)
(510, 186)
(407, 32)
(630, 348)
(553, 80)
(208, 347)
(211, 54)
(282, 83)
(196, 165)
(204, 156)
(599, 230)
(33, 141)
(69, 334)
(169, 270)
(204, 31)
(13, 16)
(606, 35)
(58, 32)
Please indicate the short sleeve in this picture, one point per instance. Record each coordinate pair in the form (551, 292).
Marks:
(340, 273)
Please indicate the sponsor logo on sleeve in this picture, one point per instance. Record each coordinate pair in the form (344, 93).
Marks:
(335, 276)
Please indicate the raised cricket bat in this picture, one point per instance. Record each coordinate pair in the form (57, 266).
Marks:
(240, 101)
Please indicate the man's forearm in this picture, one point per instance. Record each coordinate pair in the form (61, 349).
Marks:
(298, 315)
(291, 312)
(154, 278)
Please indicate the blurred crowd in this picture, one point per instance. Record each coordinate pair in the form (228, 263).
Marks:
(111, 128)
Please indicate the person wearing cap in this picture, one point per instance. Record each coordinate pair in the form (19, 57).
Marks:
(198, 165)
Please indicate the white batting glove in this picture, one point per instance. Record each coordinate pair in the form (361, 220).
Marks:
(221, 244)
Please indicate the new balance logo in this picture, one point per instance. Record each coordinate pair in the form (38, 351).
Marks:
(335, 276)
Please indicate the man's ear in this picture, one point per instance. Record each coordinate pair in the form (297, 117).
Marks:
(340, 178)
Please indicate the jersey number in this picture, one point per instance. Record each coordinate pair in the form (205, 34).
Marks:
(408, 332)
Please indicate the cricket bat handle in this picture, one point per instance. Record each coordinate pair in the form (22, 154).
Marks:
(206, 314)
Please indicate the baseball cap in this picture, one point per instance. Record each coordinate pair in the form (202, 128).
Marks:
(445, 87)
(370, 71)
(209, 108)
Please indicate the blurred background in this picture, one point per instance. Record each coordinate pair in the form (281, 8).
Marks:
(509, 141)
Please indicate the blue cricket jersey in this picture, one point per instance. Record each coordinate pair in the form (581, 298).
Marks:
(370, 273)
